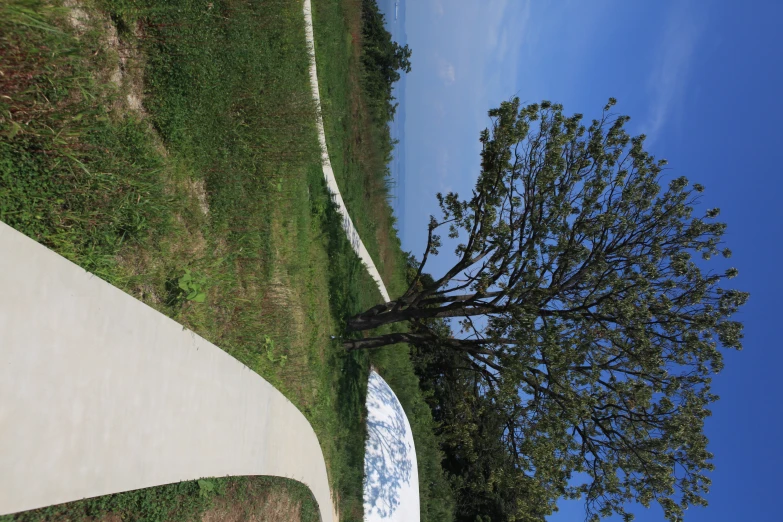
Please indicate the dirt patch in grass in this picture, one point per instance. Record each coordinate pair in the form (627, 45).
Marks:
(197, 190)
(274, 506)
(109, 517)
(127, 70)
(353, 19)
(77, 17)
(261, 499)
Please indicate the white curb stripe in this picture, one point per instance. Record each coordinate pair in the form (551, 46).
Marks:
(331, 182)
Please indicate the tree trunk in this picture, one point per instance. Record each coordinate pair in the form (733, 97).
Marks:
(377, 316)
(472, 346)
(385, 340)
(384, 314)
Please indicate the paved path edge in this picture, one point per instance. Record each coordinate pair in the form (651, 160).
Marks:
(99, 394)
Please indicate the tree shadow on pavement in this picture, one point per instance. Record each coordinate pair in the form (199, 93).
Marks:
(388, 462)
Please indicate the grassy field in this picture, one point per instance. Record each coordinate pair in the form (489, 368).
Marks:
(170, 148)
(358, 146)
(358, 149)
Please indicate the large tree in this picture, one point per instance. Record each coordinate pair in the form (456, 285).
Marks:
(582, 305)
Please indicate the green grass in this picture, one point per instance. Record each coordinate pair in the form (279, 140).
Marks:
(218, 176)
(70, 177)
(358, 148)
(182, 501)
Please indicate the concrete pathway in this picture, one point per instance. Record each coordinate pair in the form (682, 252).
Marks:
(99, 393)
(331, 182)
(391, 473)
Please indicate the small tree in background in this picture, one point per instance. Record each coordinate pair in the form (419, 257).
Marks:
(594, 331)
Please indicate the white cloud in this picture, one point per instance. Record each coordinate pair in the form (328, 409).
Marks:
(507, 30)
(447, 72)
(505, 24)
(438, 7)
(669, 78)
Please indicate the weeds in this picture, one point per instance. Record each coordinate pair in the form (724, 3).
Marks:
(191, 287)
(183, 501)
(220, 172)
(69, 177)
(269, 345)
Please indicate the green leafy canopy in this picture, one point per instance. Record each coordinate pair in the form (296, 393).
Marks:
(585, 307)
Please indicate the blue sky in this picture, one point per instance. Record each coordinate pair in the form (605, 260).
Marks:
(703, 81)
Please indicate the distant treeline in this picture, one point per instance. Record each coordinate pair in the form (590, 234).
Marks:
(383, 60)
